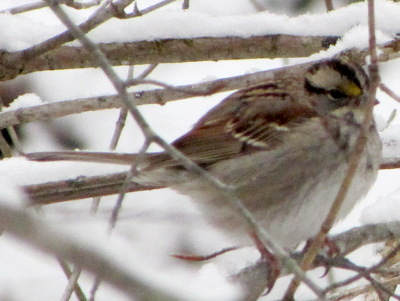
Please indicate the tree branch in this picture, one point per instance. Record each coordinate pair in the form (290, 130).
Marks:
(55, 57)
(80, 188)
(50, 55)
(157, 96)
(85, 187)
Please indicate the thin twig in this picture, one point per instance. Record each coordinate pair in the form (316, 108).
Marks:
(389, 92)
(138, 158)
(24, 8)
(121, 123)
(67, 271)
(38, 5)
(364, 272)
(377, 289)
(147, 71)
(15, 140)
(350, 294)
(124, 112)
(72, 282)
(383, 293)
(119, 126)
(135, 82)
(95, 287)
(140, 12)
(128, 180)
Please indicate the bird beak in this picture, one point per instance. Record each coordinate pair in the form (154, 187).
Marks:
(376, 102)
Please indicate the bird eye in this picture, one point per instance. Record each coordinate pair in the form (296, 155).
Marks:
(337, 94)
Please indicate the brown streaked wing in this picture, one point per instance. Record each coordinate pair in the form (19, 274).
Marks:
(265, 124)
(248, 120)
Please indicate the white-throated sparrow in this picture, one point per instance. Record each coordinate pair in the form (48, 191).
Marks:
(284, 145)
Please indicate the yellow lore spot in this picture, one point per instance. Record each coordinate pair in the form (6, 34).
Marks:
(350, 88)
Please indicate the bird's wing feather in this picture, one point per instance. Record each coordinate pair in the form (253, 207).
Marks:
(248, 120)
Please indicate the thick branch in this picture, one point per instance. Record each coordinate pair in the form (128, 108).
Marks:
(390, 163)
(85, 187)
(166, 51)
(160, 96)
(80, 188)
(13, 64)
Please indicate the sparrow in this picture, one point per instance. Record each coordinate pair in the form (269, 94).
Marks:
(283, 145)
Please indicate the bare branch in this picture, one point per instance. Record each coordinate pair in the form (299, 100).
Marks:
(390, 163)
(86, 187)
(25, 8)
(79, 188)
(72, 282)
(38, 5)
(389, 92)
(140, 12)
(127, 181)
(77, 289)
(64, 108)
(50, 56)
(351, 293)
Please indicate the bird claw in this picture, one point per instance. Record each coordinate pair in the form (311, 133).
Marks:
(273, 271)
(331, 249)
(327, 269)
(274, 265)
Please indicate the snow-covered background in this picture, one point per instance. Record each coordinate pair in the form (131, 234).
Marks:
(155, 224)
